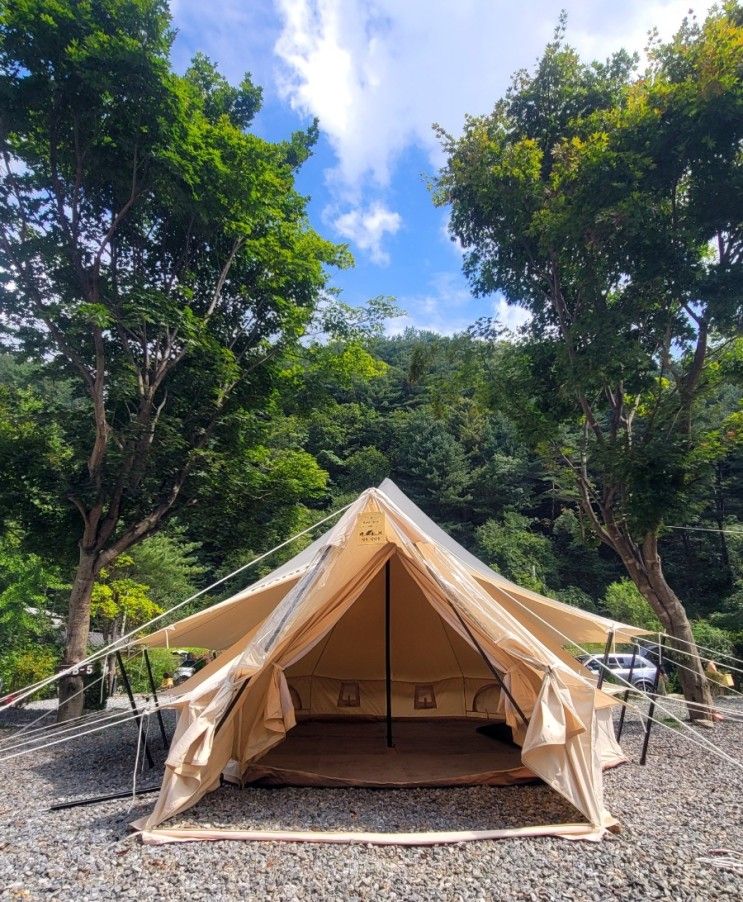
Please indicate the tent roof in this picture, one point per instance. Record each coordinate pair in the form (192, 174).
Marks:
(219, 625)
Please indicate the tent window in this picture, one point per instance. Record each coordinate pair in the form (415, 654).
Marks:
(425, 697)
(349, 696)
(487, 699)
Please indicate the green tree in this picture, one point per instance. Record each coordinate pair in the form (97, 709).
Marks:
(623, 601)
(26, 584)
(431, 464)
(577, 597)
(119, 601)
(517, 552)
(167, 563)
(609, 208)
(152, 251)
(29, 633)
(364, 468)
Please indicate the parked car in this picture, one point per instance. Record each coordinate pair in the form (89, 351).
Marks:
(655, 653)
(643, 673)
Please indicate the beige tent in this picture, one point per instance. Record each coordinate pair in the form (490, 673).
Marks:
(386, 655)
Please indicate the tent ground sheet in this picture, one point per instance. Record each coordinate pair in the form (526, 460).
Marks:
(425, 753)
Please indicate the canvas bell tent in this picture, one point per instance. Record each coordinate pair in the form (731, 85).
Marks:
(387, 655)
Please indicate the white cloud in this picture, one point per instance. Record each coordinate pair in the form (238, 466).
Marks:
(454, 243)
(378, 73)
(509, 315)
(367, 228)
(445, 306)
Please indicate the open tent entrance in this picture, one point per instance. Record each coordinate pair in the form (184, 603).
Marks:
(393, 696)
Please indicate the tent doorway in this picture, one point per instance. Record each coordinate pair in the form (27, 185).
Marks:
(392, 667)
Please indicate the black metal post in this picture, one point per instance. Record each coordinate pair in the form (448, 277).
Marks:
(651, 708)
(151, 678)
(388, 653)
(620, 725)
(607, 649)
(138, 716)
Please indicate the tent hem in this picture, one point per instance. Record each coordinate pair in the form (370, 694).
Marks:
(586, 832)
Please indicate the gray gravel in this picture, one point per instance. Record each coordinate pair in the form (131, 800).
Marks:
(681, 808)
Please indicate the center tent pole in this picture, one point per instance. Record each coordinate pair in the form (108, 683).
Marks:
(387, 653)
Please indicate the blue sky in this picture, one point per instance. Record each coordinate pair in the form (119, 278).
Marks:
(377, 74)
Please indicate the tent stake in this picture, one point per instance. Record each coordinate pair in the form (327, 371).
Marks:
(651, 708)
(491, 666)
(620, 726)
(138, 716)
(387, 654)
(151, 678)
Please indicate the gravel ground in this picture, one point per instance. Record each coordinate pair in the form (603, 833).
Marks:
(676, 812)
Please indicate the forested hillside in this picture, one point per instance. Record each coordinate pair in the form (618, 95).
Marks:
(417, 408)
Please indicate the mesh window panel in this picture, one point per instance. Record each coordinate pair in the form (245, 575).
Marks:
(349, 696)
(425, 697)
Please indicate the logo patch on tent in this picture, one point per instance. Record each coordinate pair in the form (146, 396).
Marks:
(371, 528)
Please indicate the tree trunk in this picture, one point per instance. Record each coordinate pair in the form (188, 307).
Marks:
(71, 699)
(647, 574)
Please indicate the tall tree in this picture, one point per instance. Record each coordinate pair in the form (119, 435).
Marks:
(609, 207)
(151, 250)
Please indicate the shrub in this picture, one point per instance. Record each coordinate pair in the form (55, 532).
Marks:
(21, 667)
(712, 637)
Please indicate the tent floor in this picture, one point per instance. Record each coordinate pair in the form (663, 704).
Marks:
(354, 753)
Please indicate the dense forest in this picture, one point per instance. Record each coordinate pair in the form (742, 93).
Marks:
(181, 388)
(417, 408)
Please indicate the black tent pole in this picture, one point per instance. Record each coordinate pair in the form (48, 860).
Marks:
(626, 692)
(607, 649)
(94, 800)
(493, 669)
(157, 700)
(137, 715)
(228, 710)
(387, 653)
(651, 706)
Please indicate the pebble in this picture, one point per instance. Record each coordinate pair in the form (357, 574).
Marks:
(682, 807)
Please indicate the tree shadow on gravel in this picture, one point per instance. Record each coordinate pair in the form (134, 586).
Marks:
(98, 764)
